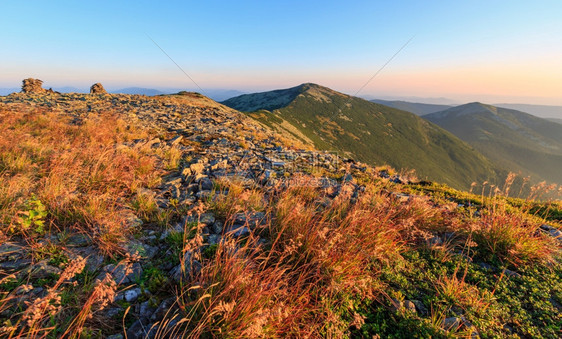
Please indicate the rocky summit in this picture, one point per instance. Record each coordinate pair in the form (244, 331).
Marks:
(174, 216)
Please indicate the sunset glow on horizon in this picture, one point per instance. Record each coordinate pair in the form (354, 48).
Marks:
(508, 51)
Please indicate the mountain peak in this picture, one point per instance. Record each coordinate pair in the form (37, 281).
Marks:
(276, 99)
(466, 109)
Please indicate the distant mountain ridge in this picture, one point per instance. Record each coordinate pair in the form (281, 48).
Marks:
(413, 107)
(514, 139)
(541, 111)
(367, 131)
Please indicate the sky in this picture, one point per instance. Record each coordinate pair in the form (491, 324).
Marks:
(490, 51)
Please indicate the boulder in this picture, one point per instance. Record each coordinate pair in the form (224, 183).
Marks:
(97, 88)
(32, 86)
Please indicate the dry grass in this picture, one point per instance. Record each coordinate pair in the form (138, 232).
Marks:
(321, 256)
(299, 274)
(60, 176)
(512, 237)
(76, 171)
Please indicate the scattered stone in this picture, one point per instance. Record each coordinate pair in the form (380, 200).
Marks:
(410, 306)
(97, 88)
(206, 184)
(176, 140)
(122, 274)
(144, 310)
(164, 308)
(15, 265)
(112, 312)
(420, 307)
(203, 195)
(40, 270)
(237, 231)
(451, 323)
(196, 168)
(511, 274)
(213, 239)
(78, 240)
(10, 251)
(141, 329)
(217, 227)
(552, 231)
(207, 219)
(132, 294)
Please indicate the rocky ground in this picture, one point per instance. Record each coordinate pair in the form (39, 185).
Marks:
(216, 145)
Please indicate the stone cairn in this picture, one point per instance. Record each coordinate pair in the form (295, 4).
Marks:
(31, 85)
(97, 88)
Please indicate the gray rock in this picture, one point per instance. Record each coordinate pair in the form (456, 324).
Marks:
(410, 306)
(176, 140)
(78, 240)
(132, 294)
(141, 249)
(552, 231)
(144, 310)
(10, 251)
(40, 270)
(511, 274)
(207, 219)
(140, 330)
(15, 264)
(213, 239)
(451, 323)
(420, 307)
(217, 227)
(196, 168)
(238, 231)
(166, 307)
(203, 195)
(252, 219)
(120, 274)
(205, 184)
(112, 312)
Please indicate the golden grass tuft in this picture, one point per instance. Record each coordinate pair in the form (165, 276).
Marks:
(75, 169)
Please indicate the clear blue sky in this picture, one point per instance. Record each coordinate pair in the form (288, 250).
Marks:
(464, 50)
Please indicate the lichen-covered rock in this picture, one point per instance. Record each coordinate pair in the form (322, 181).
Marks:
(32, 86)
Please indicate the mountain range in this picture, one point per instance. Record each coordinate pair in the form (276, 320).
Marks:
(414, 107)
(369, 132)
(512, 139)
(541, 111)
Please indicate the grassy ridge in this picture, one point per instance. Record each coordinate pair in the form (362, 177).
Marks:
(514, 139)
(360, 257)
(376, 134)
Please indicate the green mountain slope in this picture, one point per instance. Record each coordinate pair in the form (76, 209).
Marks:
(369, 132)
(414, 107)
(513, 139)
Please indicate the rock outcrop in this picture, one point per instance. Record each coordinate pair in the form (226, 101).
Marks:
(31, 85)
(97, 88)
